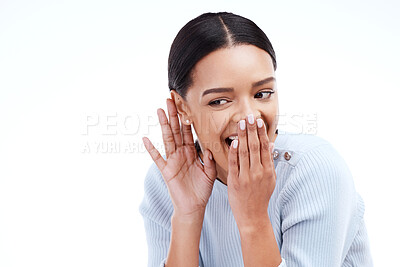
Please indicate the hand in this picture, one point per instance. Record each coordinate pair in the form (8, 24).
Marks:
(251, 174)
(189, 182)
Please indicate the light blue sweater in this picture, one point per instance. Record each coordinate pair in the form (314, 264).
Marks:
(315, 211)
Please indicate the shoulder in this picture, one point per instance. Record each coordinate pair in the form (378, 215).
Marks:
(291, 147)
(315, 170)
(156, 204)
(309, 155)
(316, 193)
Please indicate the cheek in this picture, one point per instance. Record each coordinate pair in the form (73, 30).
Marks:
(209, 128)
(207, 124)
(272, 119)
(211, 125)
(212, 142)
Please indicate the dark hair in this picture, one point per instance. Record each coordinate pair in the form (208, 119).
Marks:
(205, 34)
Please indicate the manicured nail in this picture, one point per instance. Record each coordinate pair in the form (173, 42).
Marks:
(235, 143)
(250, 118)
(242, 124)
(259, 123)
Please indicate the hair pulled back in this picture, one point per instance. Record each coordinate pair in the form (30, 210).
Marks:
(205, 34)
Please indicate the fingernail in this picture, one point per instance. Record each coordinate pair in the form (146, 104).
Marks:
(234, 143)
(242, 124)
(250, 118)
(210, 156)
(259, 123)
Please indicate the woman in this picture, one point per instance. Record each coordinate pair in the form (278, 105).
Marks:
(242, 195)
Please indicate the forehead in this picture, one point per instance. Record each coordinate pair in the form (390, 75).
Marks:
(235, 66)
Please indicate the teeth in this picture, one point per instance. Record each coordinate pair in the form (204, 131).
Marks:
(233, 137)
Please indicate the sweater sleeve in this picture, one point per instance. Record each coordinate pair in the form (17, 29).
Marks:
(322, 213)
(157, 209)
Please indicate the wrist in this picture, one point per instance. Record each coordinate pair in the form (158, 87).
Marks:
(185, 239)
(254, 227)
(259, 245)
(193, 218)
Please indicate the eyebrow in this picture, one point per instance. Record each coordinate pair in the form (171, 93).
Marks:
(230, 89)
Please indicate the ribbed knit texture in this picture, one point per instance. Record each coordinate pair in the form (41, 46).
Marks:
(315, 211)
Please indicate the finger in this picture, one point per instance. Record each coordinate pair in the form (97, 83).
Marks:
(174, 122)
(209, 165)
(168, 138)
(266, 156)
(233, 167)
(271, 149)
(243, 149)
(253, 141)
(155, 155)
(187, 134)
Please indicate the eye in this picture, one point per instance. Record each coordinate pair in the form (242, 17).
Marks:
(264, 94)
(218, 102)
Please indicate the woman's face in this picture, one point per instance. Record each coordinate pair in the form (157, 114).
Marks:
(229, 84)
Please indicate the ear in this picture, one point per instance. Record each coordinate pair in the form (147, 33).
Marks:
(182, 107)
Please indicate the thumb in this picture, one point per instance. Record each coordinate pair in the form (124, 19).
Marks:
(209, 165)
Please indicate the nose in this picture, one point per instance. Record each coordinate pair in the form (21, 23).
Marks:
(245, 108)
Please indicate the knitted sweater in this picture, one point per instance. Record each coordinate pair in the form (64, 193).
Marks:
(315, 212)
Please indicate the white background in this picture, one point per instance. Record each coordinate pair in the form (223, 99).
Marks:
(67, 64)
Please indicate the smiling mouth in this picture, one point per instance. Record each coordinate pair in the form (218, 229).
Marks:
(229, 140)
